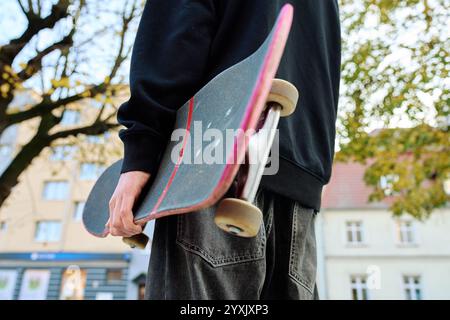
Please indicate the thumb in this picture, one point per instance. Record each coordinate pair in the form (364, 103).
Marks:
(107, 226)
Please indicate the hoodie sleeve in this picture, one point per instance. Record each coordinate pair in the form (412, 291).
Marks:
(167, 67)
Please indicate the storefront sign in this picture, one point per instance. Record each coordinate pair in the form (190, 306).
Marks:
(65, 256)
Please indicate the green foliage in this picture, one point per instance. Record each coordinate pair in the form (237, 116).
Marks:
(395, 99)
(66, 55)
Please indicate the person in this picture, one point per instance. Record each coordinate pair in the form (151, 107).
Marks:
(181, 45)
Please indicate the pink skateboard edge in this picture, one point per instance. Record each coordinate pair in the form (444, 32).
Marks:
(254, 109)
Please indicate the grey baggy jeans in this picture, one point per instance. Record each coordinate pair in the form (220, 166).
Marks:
(193, 259)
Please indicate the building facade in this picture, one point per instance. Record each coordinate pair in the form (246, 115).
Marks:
(63, 275)
(45, 252)
(366, 253)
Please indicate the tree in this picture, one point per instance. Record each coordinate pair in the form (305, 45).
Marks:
(89, 44)
(394, 107)
(395, 80)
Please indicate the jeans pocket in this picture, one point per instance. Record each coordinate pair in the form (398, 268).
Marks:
(303, 259)
(198, 234)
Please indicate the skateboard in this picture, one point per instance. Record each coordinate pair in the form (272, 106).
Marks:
(245, 99)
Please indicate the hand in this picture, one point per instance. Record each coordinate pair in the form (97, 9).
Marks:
(121, 219)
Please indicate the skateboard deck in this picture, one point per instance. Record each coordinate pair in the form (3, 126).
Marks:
(234, 99)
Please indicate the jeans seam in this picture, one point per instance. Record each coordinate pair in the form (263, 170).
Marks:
(269, 220)
(292, 273)
(234, 259)
(260, 202)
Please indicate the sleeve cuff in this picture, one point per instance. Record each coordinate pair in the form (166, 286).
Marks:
(142, 152)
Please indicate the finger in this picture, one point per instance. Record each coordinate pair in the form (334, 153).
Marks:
(116, 225)
(128, 218)
(120, 233)
(131, 228)
(111, 206)
(107, 227)
(108, 224)
(123, 218)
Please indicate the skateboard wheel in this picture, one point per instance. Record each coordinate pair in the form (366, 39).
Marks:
(238, 217)
(285, 94)
(138, 241)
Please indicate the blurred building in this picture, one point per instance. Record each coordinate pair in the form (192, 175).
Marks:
(45, 253)
(366, 253)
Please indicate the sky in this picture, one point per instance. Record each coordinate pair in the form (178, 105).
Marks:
(96, 56)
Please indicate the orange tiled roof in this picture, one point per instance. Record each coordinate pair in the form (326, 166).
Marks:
(347, 189)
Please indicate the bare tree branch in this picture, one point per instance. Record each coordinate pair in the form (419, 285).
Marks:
(22, 7)
(34, 65)
(34, 147)
(126, 20)
(61, 94)
(39, 7)
(93, 129)
(35, 24)
(30, 7)
(48, 105)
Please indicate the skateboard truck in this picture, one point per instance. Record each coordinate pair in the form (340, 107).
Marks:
(138, 241)
(239, 216)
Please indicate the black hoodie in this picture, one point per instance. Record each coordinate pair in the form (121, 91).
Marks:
(182, 44)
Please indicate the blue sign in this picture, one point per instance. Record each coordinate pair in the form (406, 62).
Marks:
(65, 256)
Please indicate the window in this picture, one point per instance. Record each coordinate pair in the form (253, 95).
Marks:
(35, 284)
(48, 231)
(387, 183)
(113, 275)
(62, 153)
(104, 296)
(412, 287)
(56, 190)
(359, 288)
(95, 139)
(2, 226)
(5, 150)
(70, 118)
(90, 171)
(354, 231)
(78, 213)
(406, 232)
